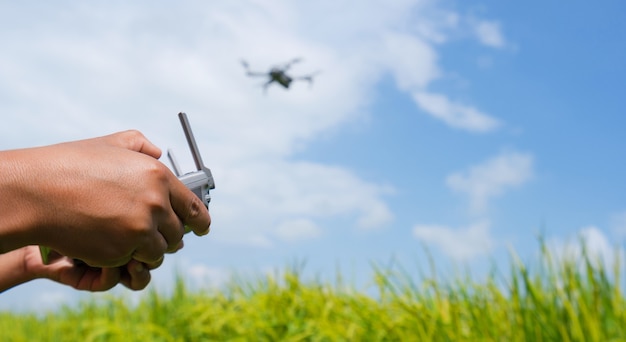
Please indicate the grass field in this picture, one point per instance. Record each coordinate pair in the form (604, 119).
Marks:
(577, 299)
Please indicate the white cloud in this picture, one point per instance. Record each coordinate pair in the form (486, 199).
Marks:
(257, 198)
(412, 61)
(463, 243)
(492, 178)
(489, 33)
(454, 114)
(597, 247)
(297, 230)
(597, 244)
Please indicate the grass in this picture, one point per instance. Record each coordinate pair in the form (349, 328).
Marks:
(558, 299)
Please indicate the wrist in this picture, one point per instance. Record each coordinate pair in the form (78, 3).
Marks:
(18, 200)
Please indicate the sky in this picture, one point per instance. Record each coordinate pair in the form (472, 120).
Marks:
(463, 130)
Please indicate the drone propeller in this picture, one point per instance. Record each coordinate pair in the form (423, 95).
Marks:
(290, 63)
(251, 73)
(308, 77)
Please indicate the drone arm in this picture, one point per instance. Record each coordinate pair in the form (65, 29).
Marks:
(251, 73)
(255, 74)
(308, 77)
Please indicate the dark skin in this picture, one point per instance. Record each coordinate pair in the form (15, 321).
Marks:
(24, 264)
(106, 201)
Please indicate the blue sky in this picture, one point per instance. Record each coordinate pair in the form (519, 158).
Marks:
(466, 128)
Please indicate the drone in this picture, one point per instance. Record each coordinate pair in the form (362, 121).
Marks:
(279, 75)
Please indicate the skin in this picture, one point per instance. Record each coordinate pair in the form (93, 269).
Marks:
(107, 201)
(24, 264)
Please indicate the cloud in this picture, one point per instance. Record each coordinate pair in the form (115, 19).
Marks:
(413, 62)
(462, 243)
(492, 178)
(263, 198)
(454, 114)
(297, 230)
(489, 33)
(596, 244)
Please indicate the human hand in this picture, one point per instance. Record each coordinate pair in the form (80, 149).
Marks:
(135, 275)
(105, 200)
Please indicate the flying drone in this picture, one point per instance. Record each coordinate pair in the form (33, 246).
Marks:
(279, 74)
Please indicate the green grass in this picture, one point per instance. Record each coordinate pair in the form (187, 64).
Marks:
(573, 299)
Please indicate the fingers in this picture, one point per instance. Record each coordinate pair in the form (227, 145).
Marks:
(84, 277)
(189, 208)
(137, 276)
(158, 261)
(101, 279)
(153, 251)
(134, 275)
(178, 209)
(173, 230)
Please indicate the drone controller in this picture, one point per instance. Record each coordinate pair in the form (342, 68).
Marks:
(201, 180)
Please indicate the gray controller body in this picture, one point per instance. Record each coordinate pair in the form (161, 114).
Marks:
(200, 182)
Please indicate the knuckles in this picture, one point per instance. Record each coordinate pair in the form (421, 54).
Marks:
(132, 137)
(195, 208)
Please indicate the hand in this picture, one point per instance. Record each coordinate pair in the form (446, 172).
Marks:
(134, 275)
(105, 201)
